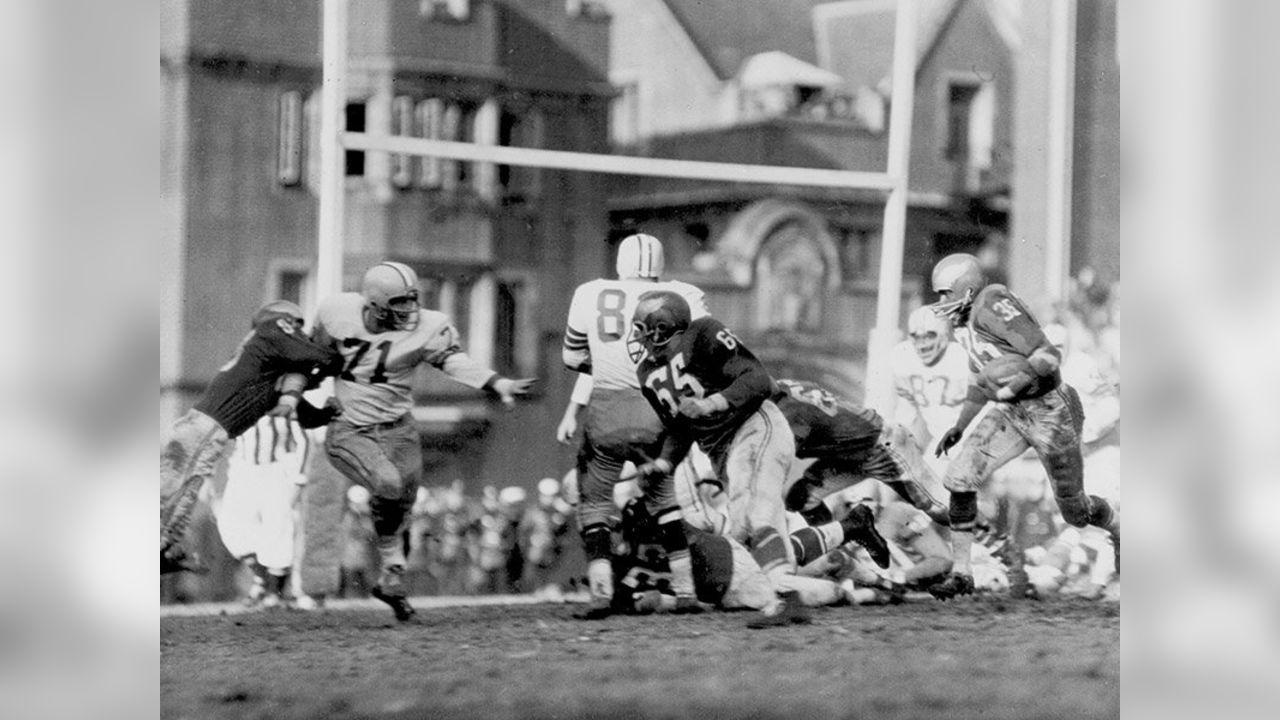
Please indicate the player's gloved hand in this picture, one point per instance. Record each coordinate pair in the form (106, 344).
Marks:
(948, 441)
(507, 389)
(287, 406)
(702, 407)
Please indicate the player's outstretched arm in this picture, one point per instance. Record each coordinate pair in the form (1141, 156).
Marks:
(508, 389)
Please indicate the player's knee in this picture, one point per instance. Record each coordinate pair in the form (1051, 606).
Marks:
(963, 512)
(956, 483)
(597, 540)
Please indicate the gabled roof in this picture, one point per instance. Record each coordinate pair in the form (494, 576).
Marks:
(854, 38)
(778, 68)
(727, 32)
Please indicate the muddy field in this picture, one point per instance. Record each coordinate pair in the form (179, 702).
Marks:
(983, 658)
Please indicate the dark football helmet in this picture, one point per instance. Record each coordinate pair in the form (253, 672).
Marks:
(660, 316)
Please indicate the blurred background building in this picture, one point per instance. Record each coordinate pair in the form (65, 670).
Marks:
(781, 82)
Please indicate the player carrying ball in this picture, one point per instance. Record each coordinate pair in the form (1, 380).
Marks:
(1013, 364)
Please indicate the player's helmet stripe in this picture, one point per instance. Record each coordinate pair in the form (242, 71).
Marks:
(400, 272)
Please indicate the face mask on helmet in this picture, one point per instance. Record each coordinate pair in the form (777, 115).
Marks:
(390, 290)
(930, 334)
(659, 317)
(957, 279)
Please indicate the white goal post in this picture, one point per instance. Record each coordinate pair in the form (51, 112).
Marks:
(893, 181)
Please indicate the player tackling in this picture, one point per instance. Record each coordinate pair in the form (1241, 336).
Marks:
(383, 335)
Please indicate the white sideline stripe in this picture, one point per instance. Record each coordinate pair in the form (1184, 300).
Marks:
(621, 164)
(423, 602)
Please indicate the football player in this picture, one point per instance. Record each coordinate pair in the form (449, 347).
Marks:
(1014, 364)
(383, 335)
(256, 516)
(273, 365)
(619, 425)
(708, 388)
(849, 443)
(930, 375)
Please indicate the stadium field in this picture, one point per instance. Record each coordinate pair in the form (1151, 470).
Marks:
(986, 657)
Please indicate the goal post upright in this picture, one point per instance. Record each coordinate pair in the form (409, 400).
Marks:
(879, 379)
(332, 190)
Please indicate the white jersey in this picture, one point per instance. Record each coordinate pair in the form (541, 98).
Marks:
(599, 327)
(272, 441)
(375, 385)
(929, 395)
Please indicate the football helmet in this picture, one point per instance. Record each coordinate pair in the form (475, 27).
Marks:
(930, 333)
(958, 278)
(277, 309)
(660, 316)
(640, 256)
(390, 291)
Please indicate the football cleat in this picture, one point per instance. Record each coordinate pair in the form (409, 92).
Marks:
(390, 590)
(952, 586)
(862, 530)
(598, 609)
(788, 611)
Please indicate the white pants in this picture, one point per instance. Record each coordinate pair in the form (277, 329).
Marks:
(256, 514)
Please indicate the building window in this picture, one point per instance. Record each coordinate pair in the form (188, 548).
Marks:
(857, 246)
(290, 139)
(402, 121)
(456, 10)
(289, 279)
(970, 117)
(507, 329)
(355, 122)
(625, 116)
(431, 125)
(520, 129)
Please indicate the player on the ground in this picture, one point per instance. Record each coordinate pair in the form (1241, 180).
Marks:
(620, 425)
(1013, 364)
(848, 443)
(708, 388)
(273, 365)
(383, 335)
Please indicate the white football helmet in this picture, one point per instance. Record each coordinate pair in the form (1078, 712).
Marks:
(640, 256)
(930, 334)
(957, 278)
(390, 291)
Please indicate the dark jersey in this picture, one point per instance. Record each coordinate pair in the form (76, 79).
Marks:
(826, 425)
(705, 360)
(245, 388)
(1000, 324)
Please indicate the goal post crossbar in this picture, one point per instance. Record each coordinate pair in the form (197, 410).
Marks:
(620, 164)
